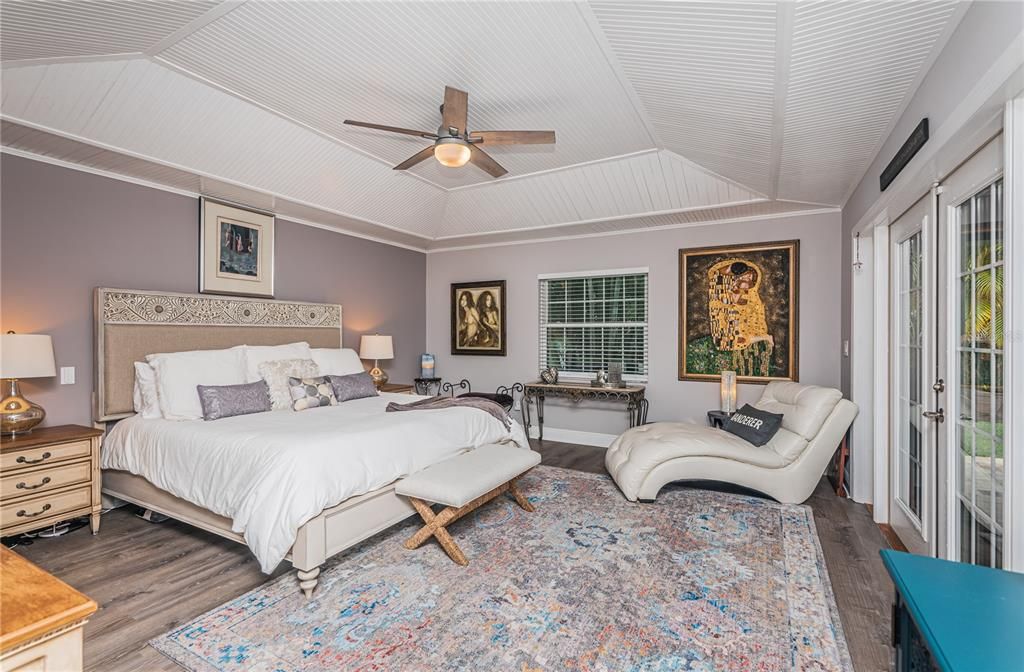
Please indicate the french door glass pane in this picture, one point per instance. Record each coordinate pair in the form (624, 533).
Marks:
(910, 372)
(980, 479)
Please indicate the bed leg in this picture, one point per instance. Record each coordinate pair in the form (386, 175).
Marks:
(308, 580)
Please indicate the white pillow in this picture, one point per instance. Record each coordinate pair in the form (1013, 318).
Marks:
(337, 361)
(277, 373)
(178, 374)
(146, 401)
(257, 354)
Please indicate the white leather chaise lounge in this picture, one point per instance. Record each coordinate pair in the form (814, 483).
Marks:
(814, 420)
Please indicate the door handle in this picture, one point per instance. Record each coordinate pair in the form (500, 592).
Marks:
(939, 415)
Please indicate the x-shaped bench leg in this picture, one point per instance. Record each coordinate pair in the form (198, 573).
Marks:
(435, 528)
(435, 523)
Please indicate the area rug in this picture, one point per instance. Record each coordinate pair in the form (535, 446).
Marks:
(697, 580)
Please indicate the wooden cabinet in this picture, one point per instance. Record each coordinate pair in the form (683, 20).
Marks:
(49, 475)
(41, 618)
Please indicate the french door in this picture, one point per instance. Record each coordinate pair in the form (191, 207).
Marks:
(947, 366)
(913, 439)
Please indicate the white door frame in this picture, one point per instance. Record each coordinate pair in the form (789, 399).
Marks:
(881, 405)
(862, 325)
(1013, 316)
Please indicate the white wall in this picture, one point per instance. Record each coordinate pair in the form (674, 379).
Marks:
(671, 399)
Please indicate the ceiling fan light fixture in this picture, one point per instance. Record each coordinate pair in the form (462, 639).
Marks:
(452, 152)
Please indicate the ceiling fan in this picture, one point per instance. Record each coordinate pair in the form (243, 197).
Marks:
(454, 145)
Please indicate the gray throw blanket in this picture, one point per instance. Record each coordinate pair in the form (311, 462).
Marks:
(434, 403)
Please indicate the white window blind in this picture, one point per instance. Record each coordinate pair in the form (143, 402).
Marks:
(592, 321)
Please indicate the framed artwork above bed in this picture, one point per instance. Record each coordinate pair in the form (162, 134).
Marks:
(236, 250)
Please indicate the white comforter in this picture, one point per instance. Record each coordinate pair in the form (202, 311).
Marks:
(271, 472)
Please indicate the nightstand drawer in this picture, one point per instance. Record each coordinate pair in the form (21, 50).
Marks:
(36, 508)
(28, 483)
(29, 457)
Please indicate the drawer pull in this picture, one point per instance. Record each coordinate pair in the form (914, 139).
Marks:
(25, 486)
(42, 458)
(25, 514)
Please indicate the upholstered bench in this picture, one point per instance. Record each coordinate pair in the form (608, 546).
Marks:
(461, 484)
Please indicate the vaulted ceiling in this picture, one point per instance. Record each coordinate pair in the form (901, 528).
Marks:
(665, 112)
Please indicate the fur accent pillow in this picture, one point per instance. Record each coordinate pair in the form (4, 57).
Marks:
(354, 386)
(226, 401)
(311, 393)
(277, 372)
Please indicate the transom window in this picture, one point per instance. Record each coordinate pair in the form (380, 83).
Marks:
(590, 321)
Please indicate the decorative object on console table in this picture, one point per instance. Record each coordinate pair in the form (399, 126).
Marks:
(236, 250)
(427, 367)
(953, 616)
(478, 318)
(717, 418)
(377, 347)
(23, 356)
(738, 311)
(41, 618)
(398, 388)
(728, 392)
(49, 476)
(636, 403)
(549, 375)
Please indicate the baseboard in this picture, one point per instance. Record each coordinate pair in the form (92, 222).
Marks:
(575, 436)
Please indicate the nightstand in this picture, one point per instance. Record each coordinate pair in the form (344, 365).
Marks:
(49, 475)
(718, 418)
(398, 388)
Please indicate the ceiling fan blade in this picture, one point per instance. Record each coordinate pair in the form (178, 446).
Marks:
(513, 137)
(393, 129)
(482, 160)
(454, 112)
(421, 155)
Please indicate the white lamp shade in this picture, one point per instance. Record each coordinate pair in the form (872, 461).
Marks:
(26, 356)
(376, 347)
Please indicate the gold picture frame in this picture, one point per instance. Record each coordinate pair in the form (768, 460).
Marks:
(236, 250)
(739, 311)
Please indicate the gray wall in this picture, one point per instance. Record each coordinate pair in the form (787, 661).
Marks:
(671, 399)
(64, 232)
(986, 31)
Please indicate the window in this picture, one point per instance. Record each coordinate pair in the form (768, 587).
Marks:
(589, 321)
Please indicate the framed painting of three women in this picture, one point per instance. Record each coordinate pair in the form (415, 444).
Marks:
(478, 318)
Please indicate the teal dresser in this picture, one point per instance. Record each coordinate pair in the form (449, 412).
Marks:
(955, 617)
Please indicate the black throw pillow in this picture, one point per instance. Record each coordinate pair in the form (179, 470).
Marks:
(754, 425)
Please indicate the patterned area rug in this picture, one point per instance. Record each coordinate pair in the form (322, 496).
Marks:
(695, 581)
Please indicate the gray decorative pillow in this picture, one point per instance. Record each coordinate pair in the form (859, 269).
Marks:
(353, 386)
(754, 425)
(277, 372)
(225, 401)
(311, 393)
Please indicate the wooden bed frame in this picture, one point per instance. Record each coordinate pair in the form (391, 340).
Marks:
(133, 323)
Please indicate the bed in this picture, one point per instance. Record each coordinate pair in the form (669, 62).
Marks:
(294, 486)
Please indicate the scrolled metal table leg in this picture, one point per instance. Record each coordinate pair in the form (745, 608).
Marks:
(540, 416)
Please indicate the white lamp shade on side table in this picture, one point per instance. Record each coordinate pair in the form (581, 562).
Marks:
(376, 347)
(26, 356)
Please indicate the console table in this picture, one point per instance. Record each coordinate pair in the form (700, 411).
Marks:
(633, 395)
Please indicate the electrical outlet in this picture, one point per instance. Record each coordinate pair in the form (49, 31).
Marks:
(67, 375)
(517, 405)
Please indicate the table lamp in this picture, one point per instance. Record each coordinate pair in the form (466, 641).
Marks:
(376, 347)
(22, 356)
(728, 391)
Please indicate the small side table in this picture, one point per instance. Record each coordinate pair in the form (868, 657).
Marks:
(424, 385)
(717, 418)
(398, 388)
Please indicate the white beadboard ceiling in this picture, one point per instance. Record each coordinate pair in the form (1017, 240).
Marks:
(690, 111)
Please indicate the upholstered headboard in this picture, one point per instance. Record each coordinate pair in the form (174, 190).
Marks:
(131, 324)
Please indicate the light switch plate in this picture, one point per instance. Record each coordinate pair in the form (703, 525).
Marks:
(846, 348)
(67, 375)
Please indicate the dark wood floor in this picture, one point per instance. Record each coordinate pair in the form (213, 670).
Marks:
(151, 578)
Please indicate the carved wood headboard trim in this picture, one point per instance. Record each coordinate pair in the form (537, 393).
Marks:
(132, 323)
